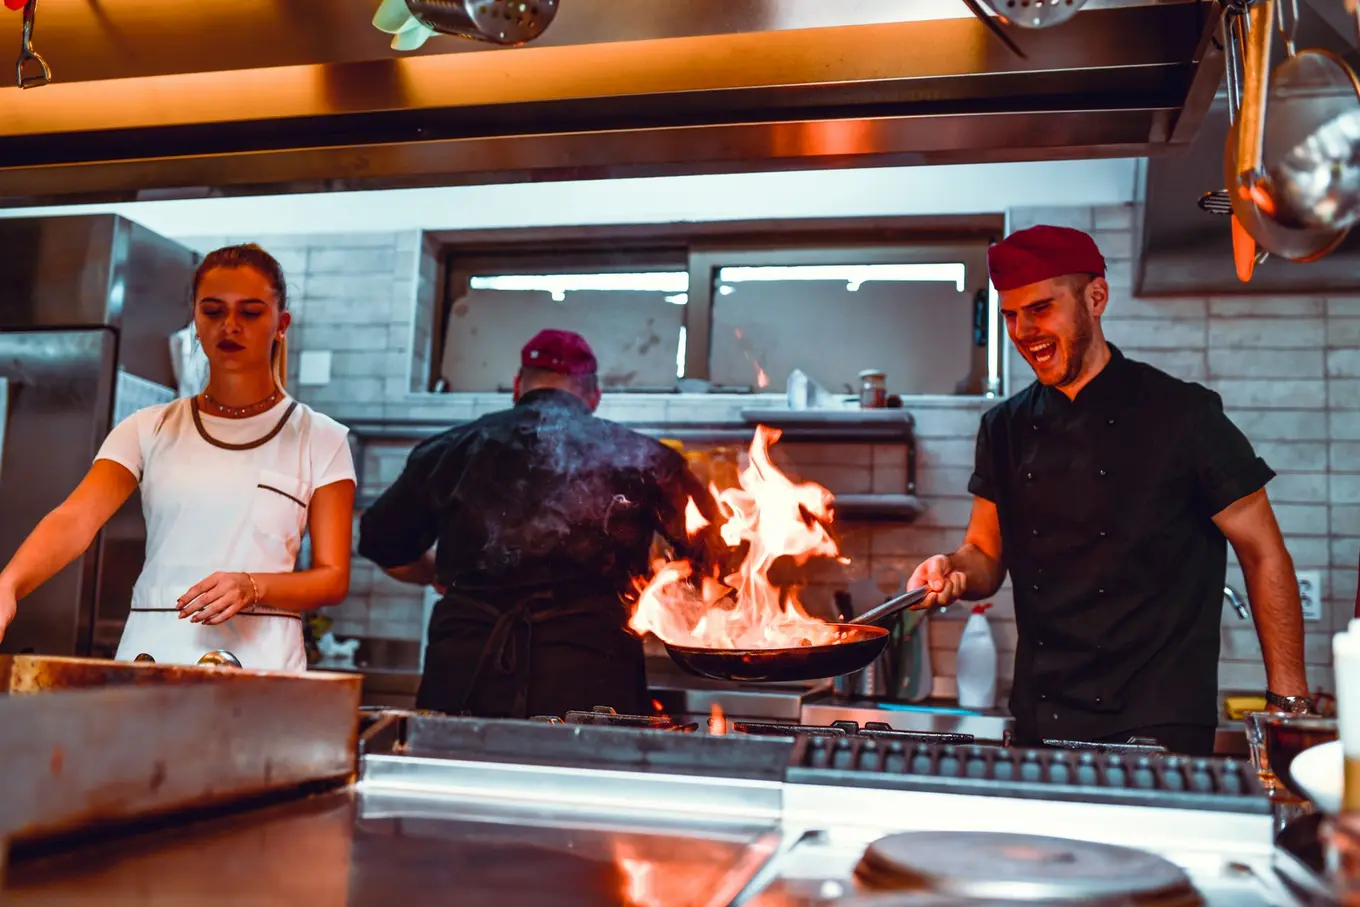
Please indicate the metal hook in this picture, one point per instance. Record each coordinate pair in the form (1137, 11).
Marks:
(27, 53)
(1232, 59)
(1288, 34)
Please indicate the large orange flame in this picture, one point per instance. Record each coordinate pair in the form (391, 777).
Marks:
(776, 517)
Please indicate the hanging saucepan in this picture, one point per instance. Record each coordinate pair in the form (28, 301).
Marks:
(507, 22)
(1244, 154)
(1312, 139)
(857, 644)
(1035, 13)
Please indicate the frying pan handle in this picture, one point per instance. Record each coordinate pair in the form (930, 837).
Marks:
(893, 606)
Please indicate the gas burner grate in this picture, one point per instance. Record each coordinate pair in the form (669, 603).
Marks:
(604, 716)
(879, 730)
(1060, 774)
(1135, 745)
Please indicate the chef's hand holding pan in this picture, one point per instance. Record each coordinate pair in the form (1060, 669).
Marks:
(945, 583)
(218, 598)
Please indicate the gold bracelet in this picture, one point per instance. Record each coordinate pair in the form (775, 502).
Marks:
(255, 590)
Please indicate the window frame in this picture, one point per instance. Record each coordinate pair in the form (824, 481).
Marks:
(706, 261)
(701, 248)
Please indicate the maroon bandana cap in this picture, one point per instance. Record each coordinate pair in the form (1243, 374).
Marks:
(1040, 253)
(559, 351)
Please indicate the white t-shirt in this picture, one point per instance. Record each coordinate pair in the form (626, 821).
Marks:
(211, 508)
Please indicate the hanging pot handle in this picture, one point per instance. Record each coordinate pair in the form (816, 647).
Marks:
(26, 74)
(1233, 39)
(1260, 26)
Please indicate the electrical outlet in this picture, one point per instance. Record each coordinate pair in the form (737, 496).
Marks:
(1310, 593)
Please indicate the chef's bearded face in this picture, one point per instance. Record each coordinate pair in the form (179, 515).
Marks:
(587, 387)
(1054, 323)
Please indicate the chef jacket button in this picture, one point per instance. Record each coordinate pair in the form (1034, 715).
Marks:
(1043, 695)
(1055, 716)
(1035, 587)
(1097, 700)
(1103, 533)
(1111, 421)
(1034, 532)
(1041, 643)
(1100, 591)
(1029, 476)
(1102, 473)
(1035, 426)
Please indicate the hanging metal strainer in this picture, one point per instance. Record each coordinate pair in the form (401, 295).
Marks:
(1216, 202)
(1035, 13)
(507, 22)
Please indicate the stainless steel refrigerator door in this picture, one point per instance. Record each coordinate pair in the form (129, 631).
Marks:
(59, 405)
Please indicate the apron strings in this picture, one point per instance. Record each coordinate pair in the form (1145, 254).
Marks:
(501, 651)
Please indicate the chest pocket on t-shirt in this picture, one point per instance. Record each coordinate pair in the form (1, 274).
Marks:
(279, 507)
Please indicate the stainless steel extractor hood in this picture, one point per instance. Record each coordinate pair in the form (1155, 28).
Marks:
(153, 100)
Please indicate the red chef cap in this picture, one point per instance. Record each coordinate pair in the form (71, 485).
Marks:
(1042, 252)
(559, 351)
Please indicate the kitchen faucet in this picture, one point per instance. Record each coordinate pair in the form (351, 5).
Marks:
(1236, 601)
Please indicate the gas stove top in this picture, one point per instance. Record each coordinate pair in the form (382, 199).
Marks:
(841, 756)
(1199, 830)
(603, 716)
(835, 867)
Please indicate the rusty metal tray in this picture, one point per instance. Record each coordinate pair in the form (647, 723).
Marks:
(87, 742)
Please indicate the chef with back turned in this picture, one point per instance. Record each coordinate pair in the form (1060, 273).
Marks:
(1110, 491)
(543, 516)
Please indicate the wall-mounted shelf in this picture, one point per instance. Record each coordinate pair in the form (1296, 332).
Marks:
(878, 508)
(887, 426)
(846, 417)
(850, 508)
(881, 426)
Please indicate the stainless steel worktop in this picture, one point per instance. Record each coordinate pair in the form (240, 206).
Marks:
(417, 831)
(360, 848)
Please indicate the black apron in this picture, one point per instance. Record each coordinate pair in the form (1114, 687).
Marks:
(534, 652)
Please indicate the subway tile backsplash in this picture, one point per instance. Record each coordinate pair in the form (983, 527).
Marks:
(1288, 369)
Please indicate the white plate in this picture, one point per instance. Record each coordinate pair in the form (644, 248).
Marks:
(1319, 772)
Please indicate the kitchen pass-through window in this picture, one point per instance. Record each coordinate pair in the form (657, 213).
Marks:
(734, 318)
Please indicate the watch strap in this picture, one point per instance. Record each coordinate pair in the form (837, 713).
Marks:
(1292, 704)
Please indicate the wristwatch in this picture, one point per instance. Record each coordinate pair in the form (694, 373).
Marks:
(1293, 705)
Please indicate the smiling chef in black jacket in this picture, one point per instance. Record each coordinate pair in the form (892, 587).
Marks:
(544, 515)
(1109, 490)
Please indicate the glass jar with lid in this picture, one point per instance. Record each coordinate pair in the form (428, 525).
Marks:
(873, 389)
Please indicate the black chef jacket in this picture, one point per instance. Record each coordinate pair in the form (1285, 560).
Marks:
(1106, 506)
(535, 508)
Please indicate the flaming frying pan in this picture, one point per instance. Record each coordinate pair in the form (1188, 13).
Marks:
(858, 643)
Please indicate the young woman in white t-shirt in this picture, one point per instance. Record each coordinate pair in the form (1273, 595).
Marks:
(231, 479)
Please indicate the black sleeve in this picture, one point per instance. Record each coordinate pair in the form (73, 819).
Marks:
(1223, 463)
(678, 486)
(403, 523)
(982, 484)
